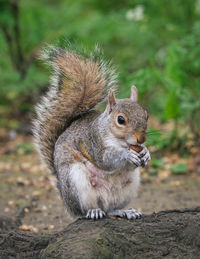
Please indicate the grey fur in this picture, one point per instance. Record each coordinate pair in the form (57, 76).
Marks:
(91, 129)
(90, 153)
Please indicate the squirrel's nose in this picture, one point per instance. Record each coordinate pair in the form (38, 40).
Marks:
(140, 138)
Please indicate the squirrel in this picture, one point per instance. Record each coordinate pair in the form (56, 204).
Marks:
(90, 152)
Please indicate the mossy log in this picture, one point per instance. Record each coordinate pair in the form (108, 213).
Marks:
(168, 234)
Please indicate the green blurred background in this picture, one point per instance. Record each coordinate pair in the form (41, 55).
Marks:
(154, 44)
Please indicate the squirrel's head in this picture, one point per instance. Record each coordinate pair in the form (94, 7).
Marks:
(128, 119)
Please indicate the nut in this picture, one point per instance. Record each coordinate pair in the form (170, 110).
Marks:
(136, 148)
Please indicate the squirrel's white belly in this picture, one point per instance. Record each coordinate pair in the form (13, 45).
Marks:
(96, 188)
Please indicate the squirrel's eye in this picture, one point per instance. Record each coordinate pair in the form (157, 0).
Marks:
(121, 120)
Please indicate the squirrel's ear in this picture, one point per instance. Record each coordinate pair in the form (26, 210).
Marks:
(134, 94)
(111, 101)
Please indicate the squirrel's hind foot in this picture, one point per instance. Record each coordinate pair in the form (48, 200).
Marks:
(129, 214)
(95, 214)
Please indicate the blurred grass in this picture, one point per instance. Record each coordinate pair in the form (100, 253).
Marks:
(154, 44)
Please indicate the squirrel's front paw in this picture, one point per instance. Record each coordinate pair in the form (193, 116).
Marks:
(139, 159)
(144, 156)
(134, 157)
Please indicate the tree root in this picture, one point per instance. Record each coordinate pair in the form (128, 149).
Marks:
(169, 234)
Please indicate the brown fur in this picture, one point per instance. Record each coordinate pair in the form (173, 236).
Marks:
(86, 154)
(82, 84)
(77, 157)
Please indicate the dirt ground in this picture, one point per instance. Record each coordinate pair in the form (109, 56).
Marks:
(24, 182)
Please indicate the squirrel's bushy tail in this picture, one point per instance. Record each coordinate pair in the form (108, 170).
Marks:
(77, 85)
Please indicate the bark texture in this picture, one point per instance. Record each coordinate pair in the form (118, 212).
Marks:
(168, 234)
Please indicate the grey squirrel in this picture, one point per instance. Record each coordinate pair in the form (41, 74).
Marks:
(97, 171)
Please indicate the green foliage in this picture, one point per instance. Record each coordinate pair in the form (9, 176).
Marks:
(157, 163)
(155, 45)
(157, 139)
(177, 77)
(152, 171)
(179, 168)
(25, 147)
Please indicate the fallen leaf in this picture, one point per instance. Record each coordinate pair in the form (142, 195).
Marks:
(163, 174)
(51, 227)
(26, 210)
(7, 210)
(175, 183)
(28, 228)
(11, 203)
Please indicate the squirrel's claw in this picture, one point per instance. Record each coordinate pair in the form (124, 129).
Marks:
(145, 156)
(95, 214)
(133, 157)
(129, 214)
